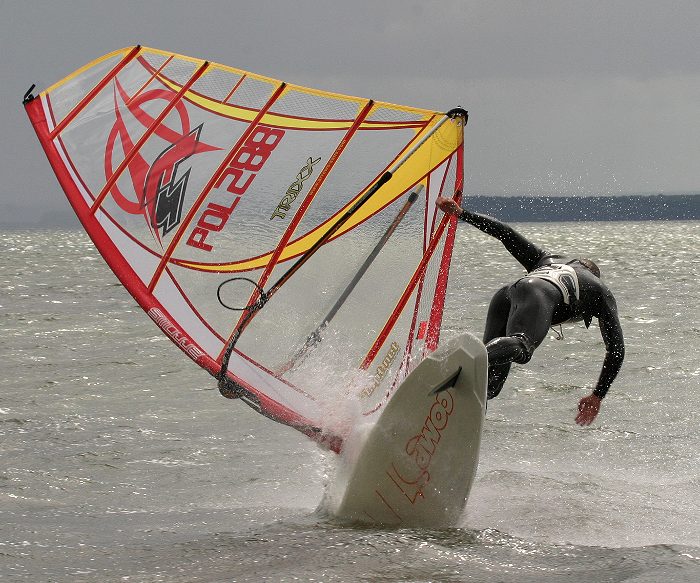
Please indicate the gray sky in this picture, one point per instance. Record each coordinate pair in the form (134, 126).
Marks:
(564, 96)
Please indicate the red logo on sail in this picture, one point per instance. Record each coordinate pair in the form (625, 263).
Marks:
(158, 188)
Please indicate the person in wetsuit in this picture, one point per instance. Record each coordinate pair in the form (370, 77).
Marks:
(556, 289)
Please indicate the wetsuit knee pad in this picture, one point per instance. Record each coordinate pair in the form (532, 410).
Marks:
(527, 348)
(514, 348)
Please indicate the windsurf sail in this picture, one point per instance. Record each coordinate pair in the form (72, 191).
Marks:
(210, 189)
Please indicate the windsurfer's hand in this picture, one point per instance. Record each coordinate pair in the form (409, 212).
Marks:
(448, 206)
(588, 408)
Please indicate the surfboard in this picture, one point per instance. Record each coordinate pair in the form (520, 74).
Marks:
(414, 466)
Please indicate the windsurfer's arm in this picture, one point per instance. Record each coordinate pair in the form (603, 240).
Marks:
(527, 253)
(611, 331)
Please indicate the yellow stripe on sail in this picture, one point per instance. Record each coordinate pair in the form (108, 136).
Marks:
(245, 114)
(287, 122)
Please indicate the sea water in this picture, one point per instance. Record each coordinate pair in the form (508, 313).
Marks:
(120, 461)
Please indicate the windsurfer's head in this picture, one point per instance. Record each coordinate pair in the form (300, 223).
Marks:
(590, 266)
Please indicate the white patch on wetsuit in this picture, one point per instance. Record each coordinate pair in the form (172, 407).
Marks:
(563, 276)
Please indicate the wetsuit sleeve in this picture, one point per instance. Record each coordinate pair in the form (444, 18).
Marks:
(611, 331)
(526, 252)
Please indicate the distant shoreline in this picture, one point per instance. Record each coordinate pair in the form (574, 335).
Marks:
(656, 207)
(525, 209)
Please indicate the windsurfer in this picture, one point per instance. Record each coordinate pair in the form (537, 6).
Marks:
(556, 289)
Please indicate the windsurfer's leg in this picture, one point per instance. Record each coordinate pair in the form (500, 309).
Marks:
(497, 316)
(534, 302)
(531, 308)
(498, 373)
(496, 323)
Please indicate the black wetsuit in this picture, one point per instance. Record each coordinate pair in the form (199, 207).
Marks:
(521, 314)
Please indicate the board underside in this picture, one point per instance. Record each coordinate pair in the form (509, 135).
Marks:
(415, 465)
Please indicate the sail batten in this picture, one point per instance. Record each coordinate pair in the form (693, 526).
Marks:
(208, 188)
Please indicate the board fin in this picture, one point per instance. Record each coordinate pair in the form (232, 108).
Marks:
(447, 384)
